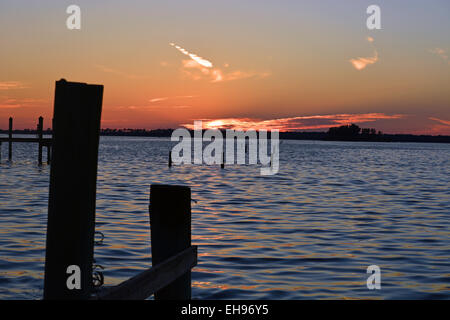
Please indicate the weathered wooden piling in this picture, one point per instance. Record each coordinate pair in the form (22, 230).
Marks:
(71, 213)
(222, 165)
(172, 254)
(10, 129)
(39, 130)
(170, 159)
(49, 154)
(73, 174)
(170, 221)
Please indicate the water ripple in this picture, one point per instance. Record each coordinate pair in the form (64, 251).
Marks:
(308, 232)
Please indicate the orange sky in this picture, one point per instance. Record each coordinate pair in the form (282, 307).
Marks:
(300, 66)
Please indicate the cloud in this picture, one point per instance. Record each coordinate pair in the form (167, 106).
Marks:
(236, 75)
(361, 63)
(158, 99)
(10, 103)
(9, 106)
(119, 73)
(151, 107)
(197, 72)
(315, 122)
(198, 68)
(154, 100)
(9, 85)
(445, 122)
(160, 103)
(438, 127)
(441, 53)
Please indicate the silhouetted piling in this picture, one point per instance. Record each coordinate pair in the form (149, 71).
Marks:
(222, 165)
(49, 154)
(170, 159)
(73, 174)
(10, 138)
(170, 222)
(39, 130)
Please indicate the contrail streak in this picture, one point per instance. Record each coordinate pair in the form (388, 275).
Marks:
(199, 60)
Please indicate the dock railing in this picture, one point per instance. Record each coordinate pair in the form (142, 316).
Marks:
(40, 140)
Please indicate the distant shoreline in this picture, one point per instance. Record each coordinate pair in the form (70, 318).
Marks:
(318, 136)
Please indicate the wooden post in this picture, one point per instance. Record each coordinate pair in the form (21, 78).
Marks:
(73, 174)
(40, 127)
(222, 165)
(50, 146)
(170, 159)
(48, 153)
(10, 138)
(170, 221)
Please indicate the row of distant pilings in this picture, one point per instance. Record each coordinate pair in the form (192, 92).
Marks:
(40, 140)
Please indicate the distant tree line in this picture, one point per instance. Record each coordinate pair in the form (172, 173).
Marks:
(353, 132)
(350, 132)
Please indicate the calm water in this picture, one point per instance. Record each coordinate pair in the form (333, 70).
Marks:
(308, 232)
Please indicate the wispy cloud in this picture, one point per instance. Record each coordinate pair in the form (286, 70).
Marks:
(437, 127)
(158, 99)
(119, 72)
(10, 103)
(198, 68)
(236, 75)
(154, 100)
(362, 63)
(315, 122)
(441, 53)
(10, 85)
(445, 122)
(151, 107)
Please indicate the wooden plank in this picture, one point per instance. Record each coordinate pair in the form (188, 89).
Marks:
(73, 176)
(170, 222)
(150, 281)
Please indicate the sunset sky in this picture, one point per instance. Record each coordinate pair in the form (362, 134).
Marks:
(291, 65)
